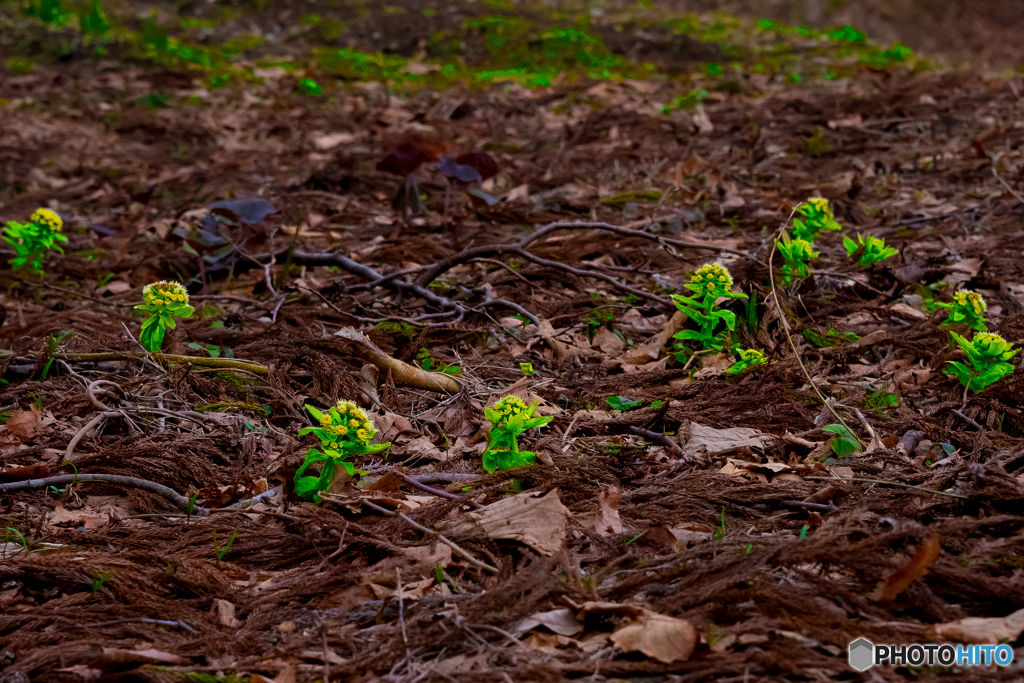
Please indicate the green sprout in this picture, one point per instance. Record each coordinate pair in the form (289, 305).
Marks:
(749, 358)
(868, 249)
(967, 308)
(344, 430)
(219, 551)
(815, 216)
(797, 253)
(987, 353)
(711, 282)
(32, 240)
(164, 301)
(510, 418)
(99, 579)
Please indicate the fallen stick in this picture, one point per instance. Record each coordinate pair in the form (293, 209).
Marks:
(170, 494)
(225, 363)
(401, 372)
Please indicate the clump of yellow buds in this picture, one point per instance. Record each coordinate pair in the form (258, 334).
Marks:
(47, 218)
(164, 301)
(345, 429)
(165, 293)
(346, 419)
(32, 240)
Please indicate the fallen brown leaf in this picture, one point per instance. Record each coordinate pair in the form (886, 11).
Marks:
(981, 630)
(899, 580)
(660, 637)
(537, 522)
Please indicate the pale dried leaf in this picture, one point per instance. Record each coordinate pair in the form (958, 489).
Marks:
(717, 441)
(538, 522)
(607, 521)
(660, 637)
(561, 621)
(224, 611)
(981, 630)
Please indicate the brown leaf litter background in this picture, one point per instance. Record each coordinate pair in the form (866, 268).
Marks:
(728, 551)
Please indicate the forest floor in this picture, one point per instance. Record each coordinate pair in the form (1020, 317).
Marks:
(680, 523)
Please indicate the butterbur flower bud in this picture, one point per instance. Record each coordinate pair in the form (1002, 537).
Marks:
(48, 219)
(161, 294)
(711, 279)
(509, 407)
(971, 300)
(346, 419)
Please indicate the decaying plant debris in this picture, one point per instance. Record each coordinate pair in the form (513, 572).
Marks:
(680, 523)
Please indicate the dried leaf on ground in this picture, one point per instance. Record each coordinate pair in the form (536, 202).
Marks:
(660, 637)
(918, 566)
(981, 630)
(606, 520)
(717, 441)
(539, 522)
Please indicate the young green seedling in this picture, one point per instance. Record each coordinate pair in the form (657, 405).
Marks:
(968, 309)
(164, 301)
(815, 216)
(344, 430)
(710, 283)
(32, 240)
(749, 358)
(987, 354)
(510, 417)
(868, 249)
(797, 253)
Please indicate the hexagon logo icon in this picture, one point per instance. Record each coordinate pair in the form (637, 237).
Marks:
(862, 654)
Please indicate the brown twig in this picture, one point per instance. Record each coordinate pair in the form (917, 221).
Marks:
(437, 492)
(660, 438)
(170, 494)
(224, 363)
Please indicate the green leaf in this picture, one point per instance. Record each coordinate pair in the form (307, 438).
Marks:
(152, 337)
(622, 403)
(501, 459)
(317, 415)
(845, 442)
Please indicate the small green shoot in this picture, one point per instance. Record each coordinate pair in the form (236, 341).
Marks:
(99, 579)
(32, 240)
(510, 418)
(637, 537)
(815, 216)
(967, 308)
(987, 354)
(797, 254)
(710, 283)
(221, 552)
(20, 536)
(803, 531)
(868, 250)
(749, 359)
(527, 369)
(164, 301)
(720, 532)
(345, 430)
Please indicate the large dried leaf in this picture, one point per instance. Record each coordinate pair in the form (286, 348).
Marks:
(537, 522)
(660, 637)
(561, 621)
(606, 520)
(718, 441)
(981, 630)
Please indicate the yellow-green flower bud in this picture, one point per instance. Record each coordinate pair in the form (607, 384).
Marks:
(164, 293)
(47, 218)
